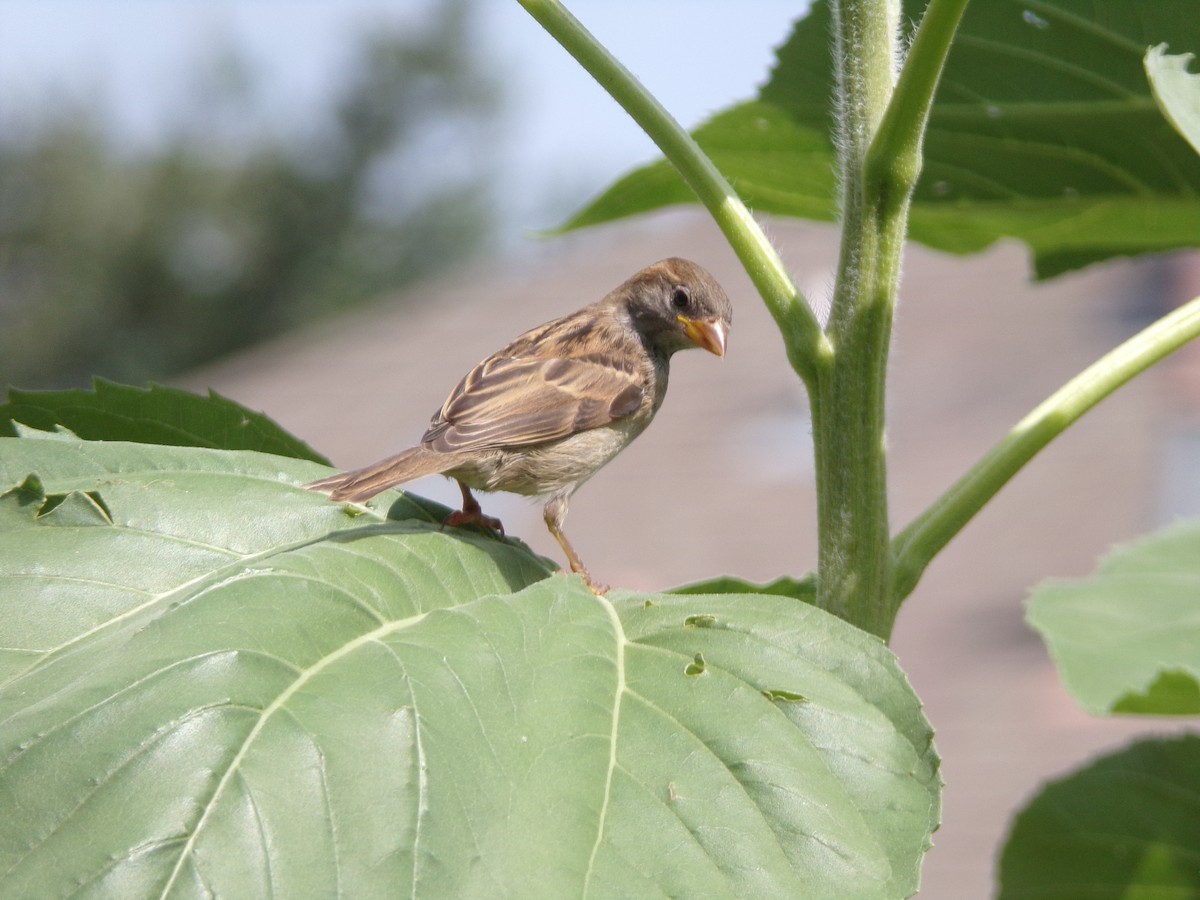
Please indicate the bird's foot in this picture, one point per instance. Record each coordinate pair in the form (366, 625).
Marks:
(598, 588)
(474, 517)
(472, 514)
(555, 512)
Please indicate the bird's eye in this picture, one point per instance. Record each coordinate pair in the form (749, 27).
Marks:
(680, 298)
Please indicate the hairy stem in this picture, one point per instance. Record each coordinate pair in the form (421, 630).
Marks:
(802, 336)
(924, 538)
(848, 422)
(894, 159)
(881, 131)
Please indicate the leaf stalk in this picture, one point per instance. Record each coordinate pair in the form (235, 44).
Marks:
(916, 546)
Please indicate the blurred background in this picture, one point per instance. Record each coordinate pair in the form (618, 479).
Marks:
(178, 180)
(324, 210)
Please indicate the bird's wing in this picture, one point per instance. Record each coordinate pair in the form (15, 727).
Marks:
(518, 401)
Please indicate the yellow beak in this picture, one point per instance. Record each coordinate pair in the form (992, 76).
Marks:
(711, 334)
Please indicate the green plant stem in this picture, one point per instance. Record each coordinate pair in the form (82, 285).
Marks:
(881, 131)
(923, 539)
(894, 159)
(848, 422)
(804, 341)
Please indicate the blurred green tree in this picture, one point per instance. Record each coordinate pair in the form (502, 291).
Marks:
(136, 265)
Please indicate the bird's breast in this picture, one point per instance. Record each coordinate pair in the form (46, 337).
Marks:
(551, 468)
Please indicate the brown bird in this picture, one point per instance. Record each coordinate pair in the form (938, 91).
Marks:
(544, 414)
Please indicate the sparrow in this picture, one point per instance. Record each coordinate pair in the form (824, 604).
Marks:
(545, 413)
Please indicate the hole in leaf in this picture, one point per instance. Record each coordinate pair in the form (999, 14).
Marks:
(696, 666)
(784, 696)
(53, 501)
(28, 492)
(704, 620)
(75, 509)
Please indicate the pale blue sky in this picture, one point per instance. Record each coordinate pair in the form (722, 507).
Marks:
(568, 138)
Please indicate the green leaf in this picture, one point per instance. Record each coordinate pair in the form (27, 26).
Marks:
(236, 688)
(153, 415)
(804, 589)
(1124, 827)
(1043, 129)
(1128, 638)
(1176, 91)
(776, 164)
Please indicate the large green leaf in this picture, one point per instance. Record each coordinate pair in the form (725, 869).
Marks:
(218, 683)
(1043, 129)
(153, 415)
(1128, 638)
(1124, 827)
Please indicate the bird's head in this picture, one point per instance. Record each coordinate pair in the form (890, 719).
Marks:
(676, 304)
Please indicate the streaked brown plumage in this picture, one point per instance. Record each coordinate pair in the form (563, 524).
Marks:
(545, 413)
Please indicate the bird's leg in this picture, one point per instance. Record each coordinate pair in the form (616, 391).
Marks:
(472, 514)
(554, 514)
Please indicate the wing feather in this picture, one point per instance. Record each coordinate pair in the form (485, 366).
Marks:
(519, 401)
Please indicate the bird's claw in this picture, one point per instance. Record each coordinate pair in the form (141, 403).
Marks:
(598, 588)
(474, 517)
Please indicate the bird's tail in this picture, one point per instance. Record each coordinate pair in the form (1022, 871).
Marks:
(364, 483)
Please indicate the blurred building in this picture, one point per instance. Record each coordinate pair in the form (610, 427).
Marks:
(722, 483)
